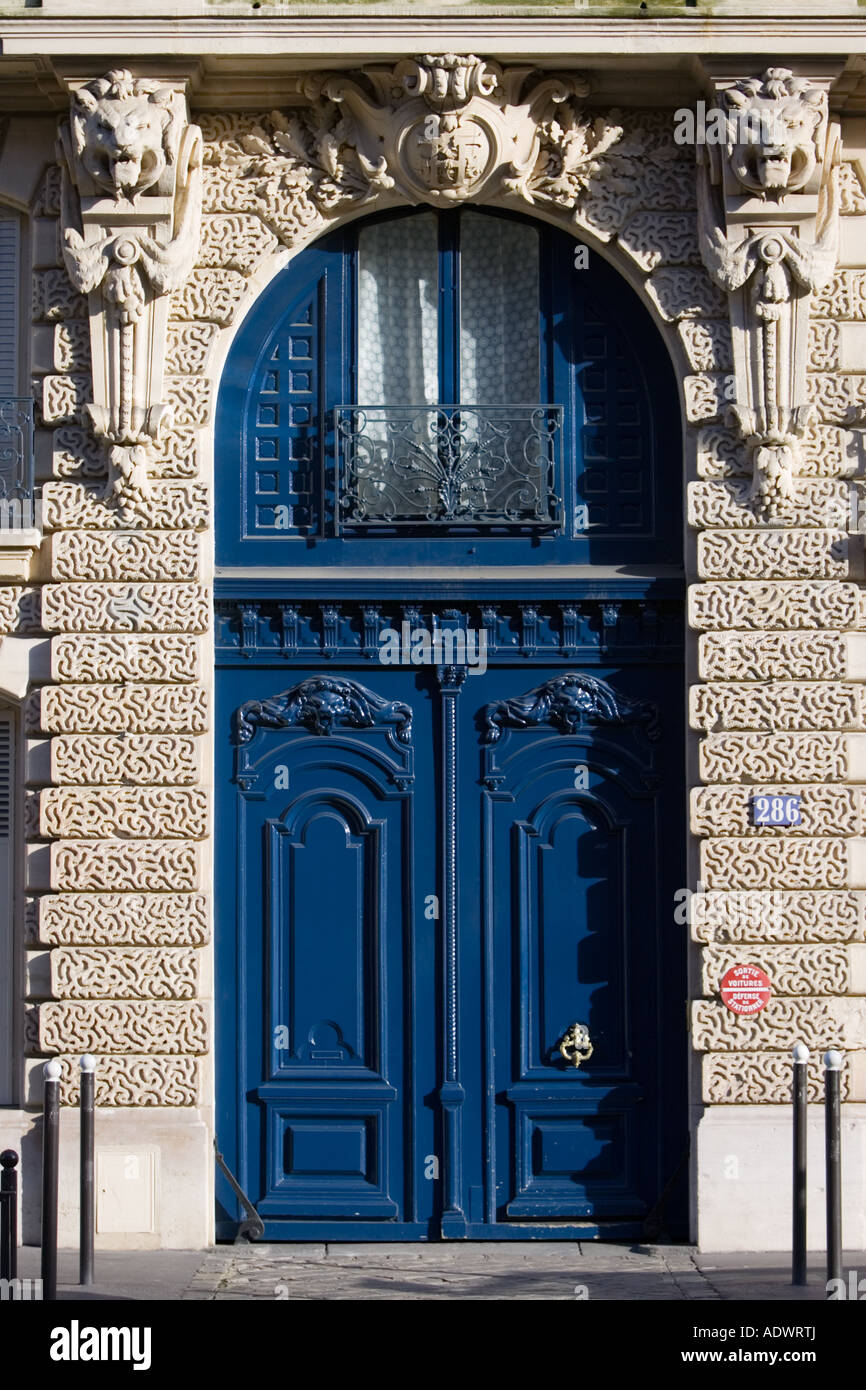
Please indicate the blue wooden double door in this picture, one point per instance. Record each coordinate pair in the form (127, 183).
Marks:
(451, 994)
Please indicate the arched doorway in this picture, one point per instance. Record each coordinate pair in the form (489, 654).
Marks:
(449, 741)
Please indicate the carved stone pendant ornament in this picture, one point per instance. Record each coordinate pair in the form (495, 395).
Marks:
(768, 217)
(131, 215)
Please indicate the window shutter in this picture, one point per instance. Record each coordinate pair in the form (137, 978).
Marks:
(10, 238)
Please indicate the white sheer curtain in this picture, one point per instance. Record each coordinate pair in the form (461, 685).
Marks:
(398, 351)
(499, 347)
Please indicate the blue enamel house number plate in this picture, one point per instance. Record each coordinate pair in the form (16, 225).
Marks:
(775, 810)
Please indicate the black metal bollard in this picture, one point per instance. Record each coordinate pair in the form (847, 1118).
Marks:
(9, 1215)
(85, 1242)
(833, 1142)
(50, 1164)
(798, 1244)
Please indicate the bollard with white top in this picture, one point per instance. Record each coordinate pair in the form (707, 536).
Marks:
(798, 1245)
(86, 1213)
(833, 1143)
(52, 1072)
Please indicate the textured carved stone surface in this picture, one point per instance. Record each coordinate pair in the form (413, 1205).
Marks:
(763, 656)
(134, 1081)
(128, 972)
(123, 812)
(190, 400)
(104, 607)
(169, 506)
(149, 865)
(64, 398)
(171, 657)
(724, 810)
(707, 343)
(743, 605)
(55, 299)
(819, 1022)
(823, 348)
(188, 346)
(151, 1026)
(779, 862)
(77, 454)
(121, 919)
(134, 709)
(781, 554)
(773, 757)
(704, 396)
(779, 706)
(834, 393)
(237, 241)
(843, 296)
(749, 1078)
(685, 293)
(136, 758)
(818, 502)
(209, 295)
(72, 347)
(774, 915)
(77, 555)
(792, 970)
(652, 238)
(9, 597)
(826, 451)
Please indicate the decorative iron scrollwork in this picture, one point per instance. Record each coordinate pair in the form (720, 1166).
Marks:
(448, 465)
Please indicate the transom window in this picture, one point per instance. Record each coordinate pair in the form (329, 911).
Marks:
(448, 387)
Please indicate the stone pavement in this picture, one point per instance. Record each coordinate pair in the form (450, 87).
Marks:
(488, 1270)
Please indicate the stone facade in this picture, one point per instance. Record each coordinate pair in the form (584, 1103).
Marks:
(118, 601)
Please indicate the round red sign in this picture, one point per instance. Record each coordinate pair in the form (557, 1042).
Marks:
(745, 989)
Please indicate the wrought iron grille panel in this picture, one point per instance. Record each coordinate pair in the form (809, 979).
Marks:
(16, 461)
(449, 466)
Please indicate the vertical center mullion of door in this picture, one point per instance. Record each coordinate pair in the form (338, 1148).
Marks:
(449, 308)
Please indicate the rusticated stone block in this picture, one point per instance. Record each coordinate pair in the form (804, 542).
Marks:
(121, 919)
(760, 915)
(137, 1026)
(685, 293)
(68, 506)
(813, 604)
(142, 555)
(142, 759)
(167, 866)
(821, 1021)
(780, 554)
(135, 709)
(831, 705)
(775, 757)
(821, 502)
(172, 657)
(763, 1078)
(123, 813)
(824, 810)
(824, 969)
(134, 1081)
(102, 607)
(778, 862)
(763, 656)
(124, 972)
(212, 295)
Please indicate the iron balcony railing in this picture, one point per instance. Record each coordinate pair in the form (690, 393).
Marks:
(17, 503)
(449, 466)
